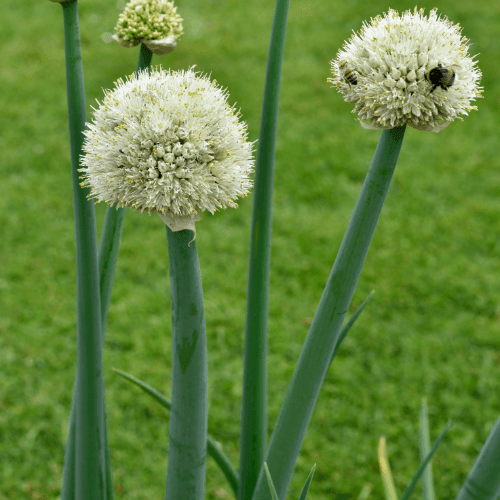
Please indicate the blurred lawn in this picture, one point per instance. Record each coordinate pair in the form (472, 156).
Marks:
(432, 328)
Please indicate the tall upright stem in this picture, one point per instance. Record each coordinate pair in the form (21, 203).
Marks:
(109, 246)
(253, 438)
(187, 437)
(84, 474)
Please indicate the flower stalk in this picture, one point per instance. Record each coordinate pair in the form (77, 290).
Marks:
(84, 474)
(109, 246)
(253, 437)
(187, 447)
(325, 330)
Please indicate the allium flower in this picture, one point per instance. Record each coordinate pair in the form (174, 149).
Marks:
(152, 22)
(407, 69)
(167, 142)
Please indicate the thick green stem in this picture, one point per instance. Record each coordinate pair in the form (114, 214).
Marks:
(187, 446)
(89, 473)
(212, 448)
(253, 437)
(325, 330)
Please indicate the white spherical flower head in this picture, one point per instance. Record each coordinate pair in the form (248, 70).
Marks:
(407, 69)
(167, 142)
(152, 22)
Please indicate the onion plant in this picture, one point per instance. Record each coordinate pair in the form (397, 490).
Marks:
(167, 142)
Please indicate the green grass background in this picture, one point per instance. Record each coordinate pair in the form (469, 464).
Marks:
(431, 330)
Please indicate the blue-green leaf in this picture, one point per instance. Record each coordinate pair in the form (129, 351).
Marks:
(483, 481)
(305, 489)
(270, 483)
(350, 322)
(420, 470)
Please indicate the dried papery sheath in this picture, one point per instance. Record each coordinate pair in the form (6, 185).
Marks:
(167, 142)
(152, 22)
(409, 69)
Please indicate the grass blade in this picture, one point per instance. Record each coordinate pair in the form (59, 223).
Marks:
(365, 491)
(253, 435)
(427, 484)
(212, 448)
(318, 348)
(420, 470)
(385, 471)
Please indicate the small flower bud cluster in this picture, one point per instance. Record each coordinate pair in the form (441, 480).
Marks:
(407, 69)
(167, 142)
(148, 20)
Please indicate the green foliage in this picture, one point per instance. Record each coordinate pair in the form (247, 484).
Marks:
(386, 473)
(430, 330)
(305, 489)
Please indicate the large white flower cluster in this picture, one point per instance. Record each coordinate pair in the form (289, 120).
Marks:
(407, 69)
(167, 142)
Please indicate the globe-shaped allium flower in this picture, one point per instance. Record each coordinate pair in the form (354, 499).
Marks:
(167, 142)
(407, 69)
(153, 22)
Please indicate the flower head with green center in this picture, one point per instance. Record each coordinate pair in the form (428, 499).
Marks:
(407, 69)
(153, 22)
(167, 142)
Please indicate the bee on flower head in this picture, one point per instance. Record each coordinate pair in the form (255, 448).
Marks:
(348, 73)
(440, 77)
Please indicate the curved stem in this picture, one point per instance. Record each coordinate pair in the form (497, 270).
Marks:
(325, 330)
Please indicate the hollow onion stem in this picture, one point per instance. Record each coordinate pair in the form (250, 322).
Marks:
(107, 258)
(187, 437)
(253, 436)
(84, 474)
